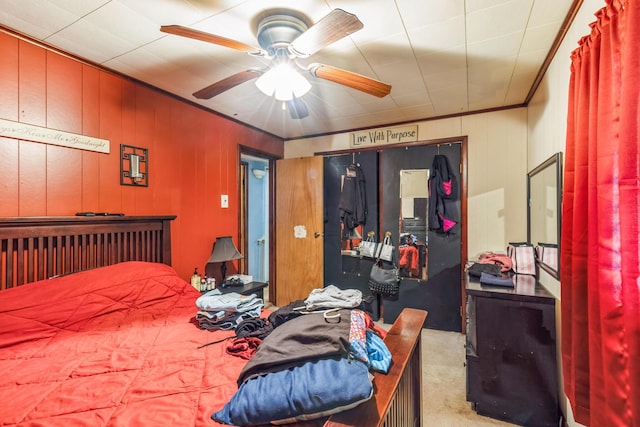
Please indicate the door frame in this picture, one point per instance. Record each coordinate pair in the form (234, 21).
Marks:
(271, 158)
(243, 242)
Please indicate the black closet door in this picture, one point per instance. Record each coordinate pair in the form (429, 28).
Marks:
(440, 294)
(343, 271)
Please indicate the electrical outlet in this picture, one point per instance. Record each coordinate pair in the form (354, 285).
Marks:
(224, 201)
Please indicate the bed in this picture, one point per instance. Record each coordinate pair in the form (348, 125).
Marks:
(97, 329)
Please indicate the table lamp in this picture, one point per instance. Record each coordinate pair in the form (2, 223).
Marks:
(224, 250)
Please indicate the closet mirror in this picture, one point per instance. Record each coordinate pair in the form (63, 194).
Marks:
(544, 196)
(413, 234)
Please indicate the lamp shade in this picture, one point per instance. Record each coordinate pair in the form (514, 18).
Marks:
(224, 250)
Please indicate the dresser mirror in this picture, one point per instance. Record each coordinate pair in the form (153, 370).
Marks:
(544, 197)
(413, 233)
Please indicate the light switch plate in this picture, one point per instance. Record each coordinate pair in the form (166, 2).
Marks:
(224, 201)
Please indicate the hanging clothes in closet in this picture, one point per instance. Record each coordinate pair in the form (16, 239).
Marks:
(440, 190)
(353, 199)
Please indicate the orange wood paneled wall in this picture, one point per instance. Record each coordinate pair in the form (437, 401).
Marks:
(193, 153)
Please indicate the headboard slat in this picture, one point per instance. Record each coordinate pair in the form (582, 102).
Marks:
(20, 259)
(41, 251)
(50, 259)
(57, 255)
(36, 248)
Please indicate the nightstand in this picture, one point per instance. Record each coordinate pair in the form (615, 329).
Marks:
(255, 288)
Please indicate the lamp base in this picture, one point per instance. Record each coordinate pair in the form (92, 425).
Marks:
(223, 270)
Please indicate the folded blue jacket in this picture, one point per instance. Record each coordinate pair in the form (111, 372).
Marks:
(379, 354)
(489, 279)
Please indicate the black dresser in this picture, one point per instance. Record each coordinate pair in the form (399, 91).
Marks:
(512, 372)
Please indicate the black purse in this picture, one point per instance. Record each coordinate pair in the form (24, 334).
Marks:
(384, 281)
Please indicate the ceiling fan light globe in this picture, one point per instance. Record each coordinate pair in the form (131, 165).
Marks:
(266, 83)
(283, 83)
(283, 94)
(299, 85)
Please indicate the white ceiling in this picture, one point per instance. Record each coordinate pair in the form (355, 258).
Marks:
(441, 57)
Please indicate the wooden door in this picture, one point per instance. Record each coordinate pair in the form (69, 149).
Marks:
(299, 228)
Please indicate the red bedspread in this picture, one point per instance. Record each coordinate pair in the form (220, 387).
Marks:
(115, 346)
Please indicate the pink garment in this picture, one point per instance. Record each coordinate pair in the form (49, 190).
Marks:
(504, 261)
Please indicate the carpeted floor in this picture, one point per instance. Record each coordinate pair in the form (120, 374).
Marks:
(444, 383)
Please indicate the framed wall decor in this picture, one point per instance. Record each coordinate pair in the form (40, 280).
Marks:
(134, 166)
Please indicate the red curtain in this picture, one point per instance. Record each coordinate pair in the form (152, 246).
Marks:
(600, 274)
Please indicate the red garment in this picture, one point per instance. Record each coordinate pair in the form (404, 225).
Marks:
(375, 328)
(244, 347)
(409, 258)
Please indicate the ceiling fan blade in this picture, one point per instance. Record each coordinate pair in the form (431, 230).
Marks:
(179, 30)
(225, 84)
(334, 26)
(297, 108)
(350, 79)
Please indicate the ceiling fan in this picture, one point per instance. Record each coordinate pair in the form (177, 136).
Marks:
(284, 36)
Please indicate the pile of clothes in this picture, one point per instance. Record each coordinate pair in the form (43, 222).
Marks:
(241, 314)
(218, 311)
(315, 359)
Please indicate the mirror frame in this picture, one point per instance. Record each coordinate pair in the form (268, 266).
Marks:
(555, 162)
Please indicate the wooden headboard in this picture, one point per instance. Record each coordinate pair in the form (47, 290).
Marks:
(40, 247)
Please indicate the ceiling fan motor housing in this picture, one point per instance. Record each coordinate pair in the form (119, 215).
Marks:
(278, 31)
